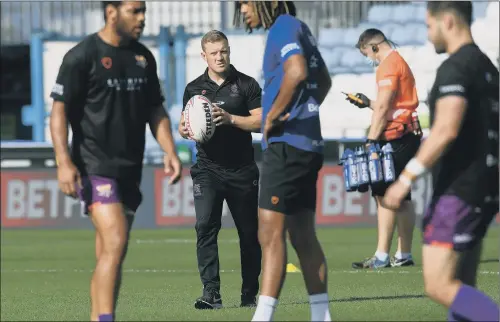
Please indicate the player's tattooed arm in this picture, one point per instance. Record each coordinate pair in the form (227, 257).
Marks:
(450, 111)
(380, 109)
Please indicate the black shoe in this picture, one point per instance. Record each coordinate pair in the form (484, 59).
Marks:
(210, 300)
(248, 300)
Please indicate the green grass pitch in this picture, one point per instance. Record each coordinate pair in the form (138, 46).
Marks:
(45, 276)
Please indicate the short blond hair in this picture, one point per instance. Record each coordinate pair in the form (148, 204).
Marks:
(213, 36)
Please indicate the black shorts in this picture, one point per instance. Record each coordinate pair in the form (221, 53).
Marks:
(405, 149)
(288, 179)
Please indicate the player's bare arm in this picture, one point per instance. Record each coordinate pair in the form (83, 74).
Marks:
(161, 128)
(450, 111)
(249, 123)
(183, 131)
(295, 72)
(380, 109)
(66, 171)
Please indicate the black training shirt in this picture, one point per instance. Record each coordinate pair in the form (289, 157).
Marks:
(230, 146)
(109, 95)
(469, 168)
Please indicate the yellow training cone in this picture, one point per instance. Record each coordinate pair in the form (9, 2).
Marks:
(290, 268)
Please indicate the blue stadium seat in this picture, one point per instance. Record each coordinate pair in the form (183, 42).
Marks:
(363, 68)
(419, 13)
(339, 70)
(351, 36)
(421, 35)
(388, 28)
(402, 36)
(330, 37)
(479, 9)
(351, 58)
(368, 25)
(380, 13)
(403, 13)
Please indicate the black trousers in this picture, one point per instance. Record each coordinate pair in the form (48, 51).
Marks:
(239, 188)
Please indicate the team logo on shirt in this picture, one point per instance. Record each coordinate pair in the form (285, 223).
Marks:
(141, 61)
(106, 62)
(234, 90)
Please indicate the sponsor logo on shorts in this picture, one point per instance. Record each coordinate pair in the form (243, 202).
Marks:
(255, 182)
(462, 238)
(203, 92)
(275, 200)
(104, 190)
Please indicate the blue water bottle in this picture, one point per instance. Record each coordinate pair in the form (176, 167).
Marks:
(375, 164)
(362, 164)
(388, 161)
(347, 162)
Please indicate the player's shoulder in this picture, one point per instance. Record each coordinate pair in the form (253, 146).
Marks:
(195, 83)
(285, 23)
(242, 77)
(142, 49)
(82, 50)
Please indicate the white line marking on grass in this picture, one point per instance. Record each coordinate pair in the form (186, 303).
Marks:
(180, 241)
(192, 271)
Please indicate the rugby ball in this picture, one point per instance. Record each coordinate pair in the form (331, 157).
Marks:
(198, 118)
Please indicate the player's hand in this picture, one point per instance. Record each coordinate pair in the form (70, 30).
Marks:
(173, 167)
(270, 125)
(69, 178)
(358, 99)
(183, 131)
(220, 116)
(395, 195)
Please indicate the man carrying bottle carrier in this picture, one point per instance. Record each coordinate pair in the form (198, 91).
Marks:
(394, 121)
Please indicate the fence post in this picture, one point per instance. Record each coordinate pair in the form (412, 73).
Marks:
(34, 114)
(180, 44)
(223, 15)
(165, 65)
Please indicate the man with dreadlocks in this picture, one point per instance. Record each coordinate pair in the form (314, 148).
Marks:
(296, 83)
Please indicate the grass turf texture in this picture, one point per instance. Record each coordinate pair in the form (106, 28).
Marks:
(46, 274)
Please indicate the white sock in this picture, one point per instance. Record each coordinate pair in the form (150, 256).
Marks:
(400, 255)
(381, 256)
(265, 308)
(319, 307)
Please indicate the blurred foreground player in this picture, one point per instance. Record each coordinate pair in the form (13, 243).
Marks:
(226, 169)
(462, 150)
(108, 90)
(391, 123)
(296, 83)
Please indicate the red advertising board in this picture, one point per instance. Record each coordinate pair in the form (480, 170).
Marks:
(174, 204)
(33, 199)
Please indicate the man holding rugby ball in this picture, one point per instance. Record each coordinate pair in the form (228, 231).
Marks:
(226, 169)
